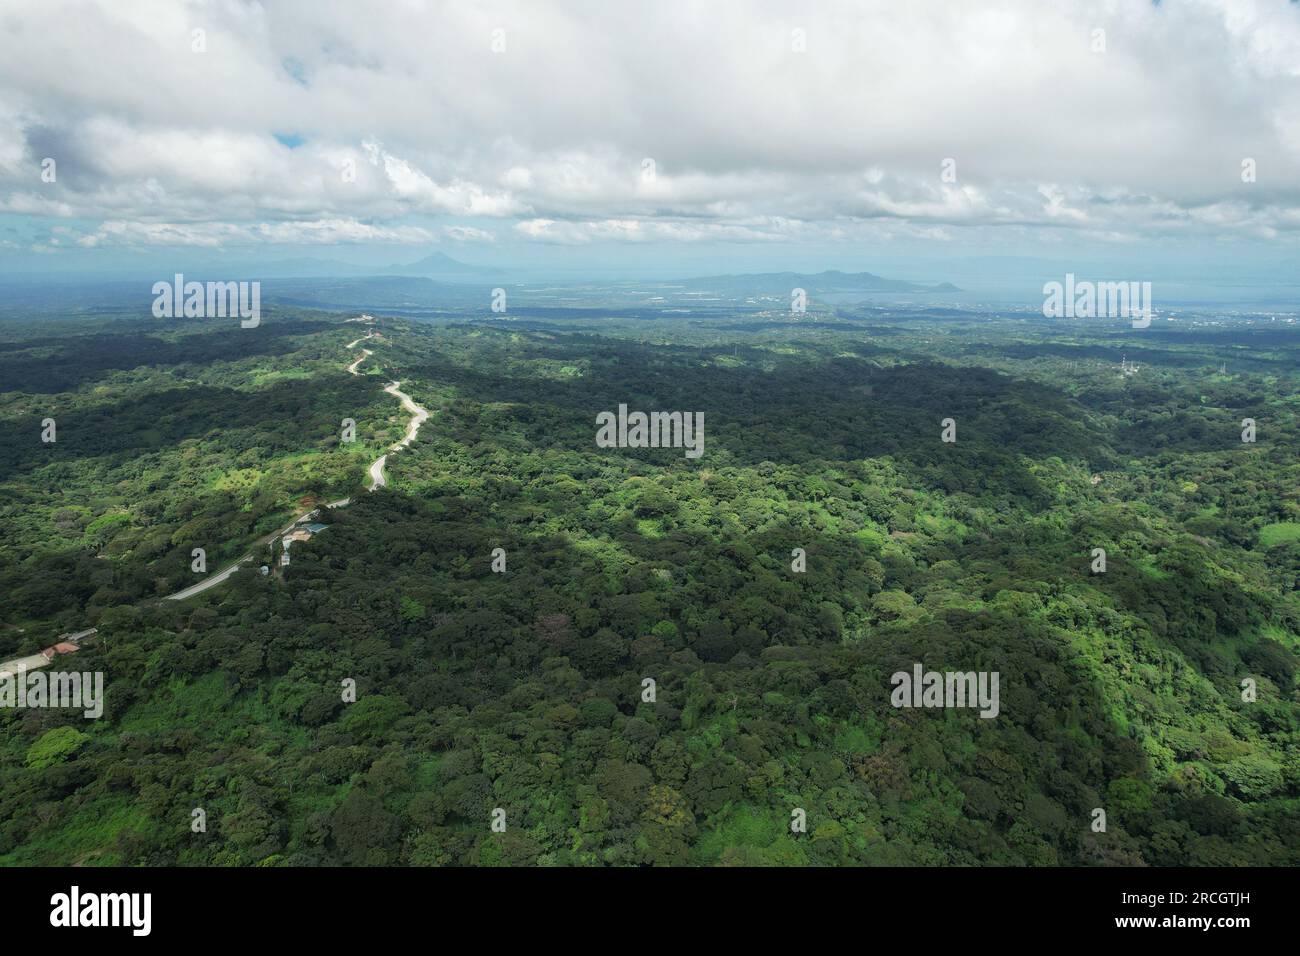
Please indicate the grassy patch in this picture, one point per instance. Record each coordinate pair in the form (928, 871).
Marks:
(743, 826)
(84, 835)
(1281, 532)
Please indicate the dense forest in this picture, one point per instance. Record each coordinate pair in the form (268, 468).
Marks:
(455, 671)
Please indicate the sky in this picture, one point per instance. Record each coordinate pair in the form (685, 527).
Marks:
(911, 139)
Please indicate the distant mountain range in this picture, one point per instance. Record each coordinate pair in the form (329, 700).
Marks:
(442, 268)
(822, 282)
(438, 282)
(437, 265)
(434, 284)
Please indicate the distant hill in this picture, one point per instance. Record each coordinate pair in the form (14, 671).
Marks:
(436, 265)
(307, 267)
(829, 281)
(439, 265)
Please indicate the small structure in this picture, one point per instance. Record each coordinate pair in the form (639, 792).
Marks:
(303, 531)
(63, 647)
(1096, 479)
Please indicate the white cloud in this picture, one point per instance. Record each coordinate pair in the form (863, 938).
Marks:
(750, 140)
(639, 230)
(467, 234)
(215, 234)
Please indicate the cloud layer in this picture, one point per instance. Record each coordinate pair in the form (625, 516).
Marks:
(569, 122)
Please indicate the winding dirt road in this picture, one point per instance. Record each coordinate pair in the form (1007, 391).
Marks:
(364, 352)
(419, 415)
(377, 479)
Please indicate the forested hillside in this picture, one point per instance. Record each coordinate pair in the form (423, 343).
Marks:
(519, 693)
(166, 442)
